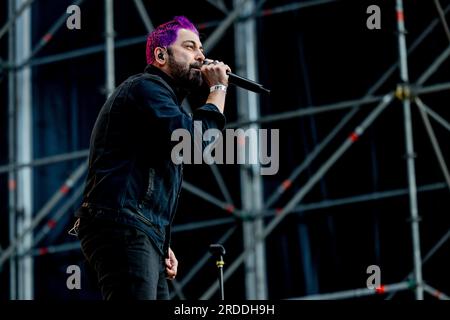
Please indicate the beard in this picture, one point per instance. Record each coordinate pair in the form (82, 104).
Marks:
(188, 77)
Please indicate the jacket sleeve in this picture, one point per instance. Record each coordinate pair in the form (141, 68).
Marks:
(158, 103)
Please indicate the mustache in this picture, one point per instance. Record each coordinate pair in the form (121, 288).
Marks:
(196, 65)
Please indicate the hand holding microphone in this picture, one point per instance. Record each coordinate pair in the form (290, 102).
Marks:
(215, 73)
(238, 80)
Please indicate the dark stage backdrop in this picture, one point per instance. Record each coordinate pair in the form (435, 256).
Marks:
(309, 58)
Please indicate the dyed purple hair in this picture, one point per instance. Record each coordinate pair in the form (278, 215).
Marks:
(166, 34)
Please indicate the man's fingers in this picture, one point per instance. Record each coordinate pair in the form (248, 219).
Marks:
(171, 274)
(171, 265)
(171, 270)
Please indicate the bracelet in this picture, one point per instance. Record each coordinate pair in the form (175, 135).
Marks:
(218, 87)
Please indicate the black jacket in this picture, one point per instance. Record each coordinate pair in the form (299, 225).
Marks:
(132, 179)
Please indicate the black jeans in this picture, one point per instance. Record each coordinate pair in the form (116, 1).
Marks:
(127, 265)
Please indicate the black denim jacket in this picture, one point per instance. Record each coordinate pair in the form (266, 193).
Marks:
(132, 179)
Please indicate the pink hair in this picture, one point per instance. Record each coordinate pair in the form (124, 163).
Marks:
(166, 34)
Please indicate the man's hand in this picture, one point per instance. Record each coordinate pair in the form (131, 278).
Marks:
(215, 72)
(171, 265)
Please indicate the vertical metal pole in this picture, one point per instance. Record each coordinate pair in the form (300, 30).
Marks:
(220, 264)
(109, 53)
(12, 176)
(251, 183)
(24, 131)
(410, 154)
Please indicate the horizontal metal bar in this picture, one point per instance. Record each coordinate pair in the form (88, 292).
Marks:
(47, 160)
(310, 110)
(301, 209)
(140, 39)
(357, 293)
(202, 224)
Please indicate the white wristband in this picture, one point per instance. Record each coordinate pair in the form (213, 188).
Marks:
(218, 87)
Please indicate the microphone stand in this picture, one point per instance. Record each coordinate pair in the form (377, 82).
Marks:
(218, 251)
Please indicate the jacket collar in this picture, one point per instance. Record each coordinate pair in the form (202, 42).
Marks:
(180, 92)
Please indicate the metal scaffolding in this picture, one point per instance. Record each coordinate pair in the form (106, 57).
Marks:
(23, 246)
(251, 180)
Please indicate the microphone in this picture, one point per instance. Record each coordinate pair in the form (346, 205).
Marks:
(243, 82)
(246, 83)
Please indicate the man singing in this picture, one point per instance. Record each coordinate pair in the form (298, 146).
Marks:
(132, 186)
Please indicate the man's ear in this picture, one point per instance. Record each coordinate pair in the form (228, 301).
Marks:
(160, 55)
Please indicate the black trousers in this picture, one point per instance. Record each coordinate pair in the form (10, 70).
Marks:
(127, 264)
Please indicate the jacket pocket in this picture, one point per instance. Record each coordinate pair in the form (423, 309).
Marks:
(150, 184)
(157, 194)
(145, 220)
(153, 194)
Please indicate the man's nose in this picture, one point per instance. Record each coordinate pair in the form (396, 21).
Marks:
(201, 56)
